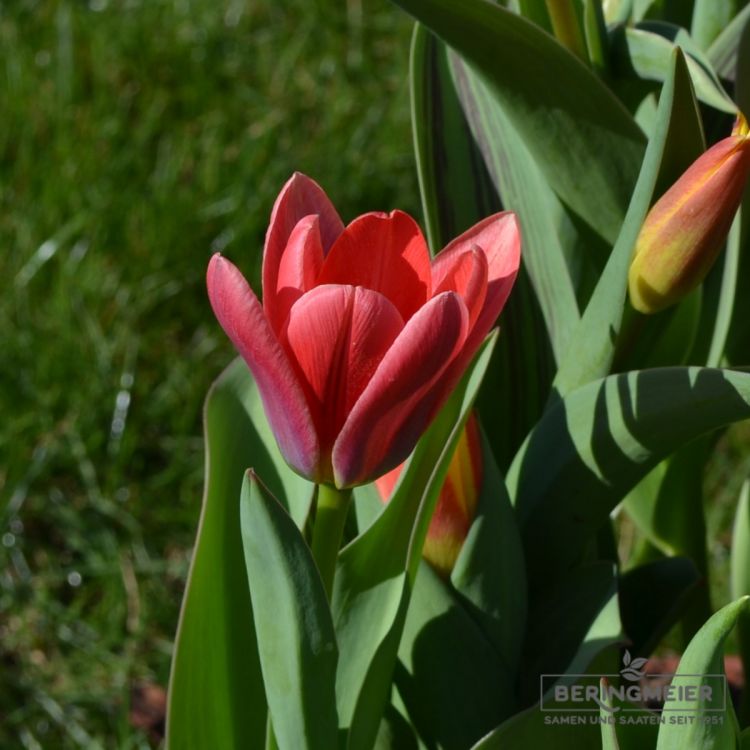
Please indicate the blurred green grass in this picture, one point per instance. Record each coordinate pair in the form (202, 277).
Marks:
(138, 136)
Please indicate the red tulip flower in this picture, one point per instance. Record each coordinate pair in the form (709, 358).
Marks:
(361, 336)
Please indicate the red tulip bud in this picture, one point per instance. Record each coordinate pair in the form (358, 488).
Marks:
(457, 503)
(686, 228)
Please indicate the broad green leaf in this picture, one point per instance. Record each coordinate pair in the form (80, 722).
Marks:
(395, 732)
(570, 623)
(599, 441)
(702, 665)
(723, 51)
(295, 635)
(456, 193)
(533, 728)
(711, 17)
(489, 573)
(547, 231)
(606, 715)
(376, 571)
(577, 121)
(646, 52)
(617, 11)
(219, 701)
(653, 597)
(367, 505)
(454, 683)
(455, 186)
(669, 509)
(597, 332)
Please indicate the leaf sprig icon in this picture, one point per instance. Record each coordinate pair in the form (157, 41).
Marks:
(632, 669)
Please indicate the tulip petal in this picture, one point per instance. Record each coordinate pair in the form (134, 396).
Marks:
(299, 269)
(338, 336)
(395, 407)
(241, 316)
(300, 197)
(467, 275)
(386, 253)
(500, 239)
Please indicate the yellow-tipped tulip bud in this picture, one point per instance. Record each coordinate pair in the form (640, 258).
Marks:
(457, 503)
(686, 228)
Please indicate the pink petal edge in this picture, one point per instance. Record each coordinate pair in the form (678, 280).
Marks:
(242, 318)
(301, 196)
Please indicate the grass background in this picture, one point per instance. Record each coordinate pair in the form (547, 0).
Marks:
(137, 137)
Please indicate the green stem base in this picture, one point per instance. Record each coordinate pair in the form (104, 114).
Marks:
(330, 517)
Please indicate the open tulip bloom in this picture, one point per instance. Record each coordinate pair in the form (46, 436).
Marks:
(361, 335)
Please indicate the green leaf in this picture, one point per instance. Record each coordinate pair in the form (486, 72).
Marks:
(545, 225)
(740, 585)
(661, 340)
(533, 729)
(296, 639)
(489, 573)
(598, 442)
(711, 17)
(570, 622)
(456, 193)
(677, 11)
(577, 121)
(455, 187)
(668, 508)
(719, 300)
(646, 52)
(597, 332)
(606, 714)
(653, 597)
(618, 11)
(723, 51)
(740, 550)
(395, 732)
(376, 571)
(219, 701)
(597, 41)
(704, 657)
(536, 11)
(671, 514)
(454, 684)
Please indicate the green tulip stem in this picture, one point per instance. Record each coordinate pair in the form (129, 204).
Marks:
(330, 517)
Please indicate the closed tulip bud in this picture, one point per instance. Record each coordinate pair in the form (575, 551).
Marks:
(457, 504)
(686, 228)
